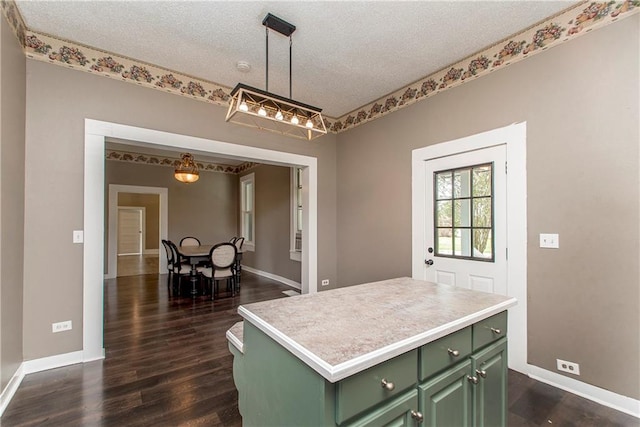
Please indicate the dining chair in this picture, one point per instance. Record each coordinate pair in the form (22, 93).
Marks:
(190, 241)
(239, 241)
(170, 260)
(180, 267)
(223, 265)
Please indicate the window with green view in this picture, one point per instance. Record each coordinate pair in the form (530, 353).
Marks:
(463, 205)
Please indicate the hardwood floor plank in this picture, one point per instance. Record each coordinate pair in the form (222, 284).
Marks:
(167, 364)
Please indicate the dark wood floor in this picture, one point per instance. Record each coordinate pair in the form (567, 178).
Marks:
(167, 364)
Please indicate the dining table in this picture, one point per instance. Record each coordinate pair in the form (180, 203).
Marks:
(194, 255)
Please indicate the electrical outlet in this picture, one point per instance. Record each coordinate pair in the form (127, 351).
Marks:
(61, 326)
(549, 241)
(570, 367)
(325, 282)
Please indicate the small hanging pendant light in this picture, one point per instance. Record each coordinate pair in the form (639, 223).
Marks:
(187, 170)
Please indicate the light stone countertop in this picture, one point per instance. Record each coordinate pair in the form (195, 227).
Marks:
(343, 331)
(235, 336)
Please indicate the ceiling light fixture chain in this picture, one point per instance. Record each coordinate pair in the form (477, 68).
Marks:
(267, 111)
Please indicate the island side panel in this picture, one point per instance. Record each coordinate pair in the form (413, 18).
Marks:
(281, 390)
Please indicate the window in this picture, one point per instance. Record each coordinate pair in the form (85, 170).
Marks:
(296, 214)
(464, 213)
(247, 211)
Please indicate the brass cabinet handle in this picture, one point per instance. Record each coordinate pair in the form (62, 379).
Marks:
(496, 331)
(454, 353)
(387, 385)
(472, 380)
(417, 416)
(483, 374)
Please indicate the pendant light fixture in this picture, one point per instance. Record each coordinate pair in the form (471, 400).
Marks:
(267, 111)
(187, 170)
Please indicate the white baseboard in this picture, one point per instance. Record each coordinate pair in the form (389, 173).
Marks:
(275, 277)
(38, 365)
(52, 362)
(11, 388)
(599, 395)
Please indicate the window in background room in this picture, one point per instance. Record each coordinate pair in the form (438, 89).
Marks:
(464, 213)
(296, 214)
(247, 211)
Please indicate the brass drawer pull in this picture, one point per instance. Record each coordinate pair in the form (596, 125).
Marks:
(496, 331)
(417, 416)
(387, 385)
(454, 353)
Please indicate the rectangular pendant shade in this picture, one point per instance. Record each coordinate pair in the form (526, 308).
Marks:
(266, 111)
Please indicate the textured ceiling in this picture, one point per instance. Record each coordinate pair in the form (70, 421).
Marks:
(345, 53)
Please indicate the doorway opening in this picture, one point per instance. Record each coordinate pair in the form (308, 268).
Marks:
(94, 213)
(137, 194)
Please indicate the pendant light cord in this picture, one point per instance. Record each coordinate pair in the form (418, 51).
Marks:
(267, 62)
(290, 66)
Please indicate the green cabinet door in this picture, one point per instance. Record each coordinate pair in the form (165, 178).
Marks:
(400, 412)
(490, 368)
(445, 400)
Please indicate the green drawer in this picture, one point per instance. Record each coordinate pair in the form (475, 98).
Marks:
(488, 330)
(444, 352)
(365, 389)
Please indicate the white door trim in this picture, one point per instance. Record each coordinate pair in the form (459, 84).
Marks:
(514, 136)
(112, 252)
(93, 252)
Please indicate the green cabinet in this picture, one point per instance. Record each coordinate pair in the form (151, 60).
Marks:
(471, 393)
(458, 380)
(400, 412)
(445, 400)
(490, 368)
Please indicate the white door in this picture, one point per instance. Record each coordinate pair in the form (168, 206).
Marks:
(465, 220)
(457, 154)
(129, 231)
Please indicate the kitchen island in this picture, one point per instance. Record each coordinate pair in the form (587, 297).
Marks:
(399, 351)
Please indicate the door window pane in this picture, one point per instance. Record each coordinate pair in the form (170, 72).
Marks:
(482, 212)
(444, 241)
(482, 181)
(444, 213)
(462, 213)
(443, 185)
(462, 242)
(462, 183)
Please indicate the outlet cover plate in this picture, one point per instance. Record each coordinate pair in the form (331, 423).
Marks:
(570, 367)
(551, 241)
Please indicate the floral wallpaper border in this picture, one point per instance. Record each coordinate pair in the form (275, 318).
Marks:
(575, 21)
(125, 156)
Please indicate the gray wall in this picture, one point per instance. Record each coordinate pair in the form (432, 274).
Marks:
(580, 102)
(206, 209)
(151, 205)
(273, 227)
(12, 120)
(58, 101)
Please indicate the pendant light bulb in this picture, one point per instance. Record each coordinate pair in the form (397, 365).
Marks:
(243, 107)
(309, 124)
(294, 120)
(262, 112)
(279, 115)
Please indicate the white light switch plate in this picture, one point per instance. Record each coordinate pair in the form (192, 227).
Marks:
(78, 236)
(549, 241)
